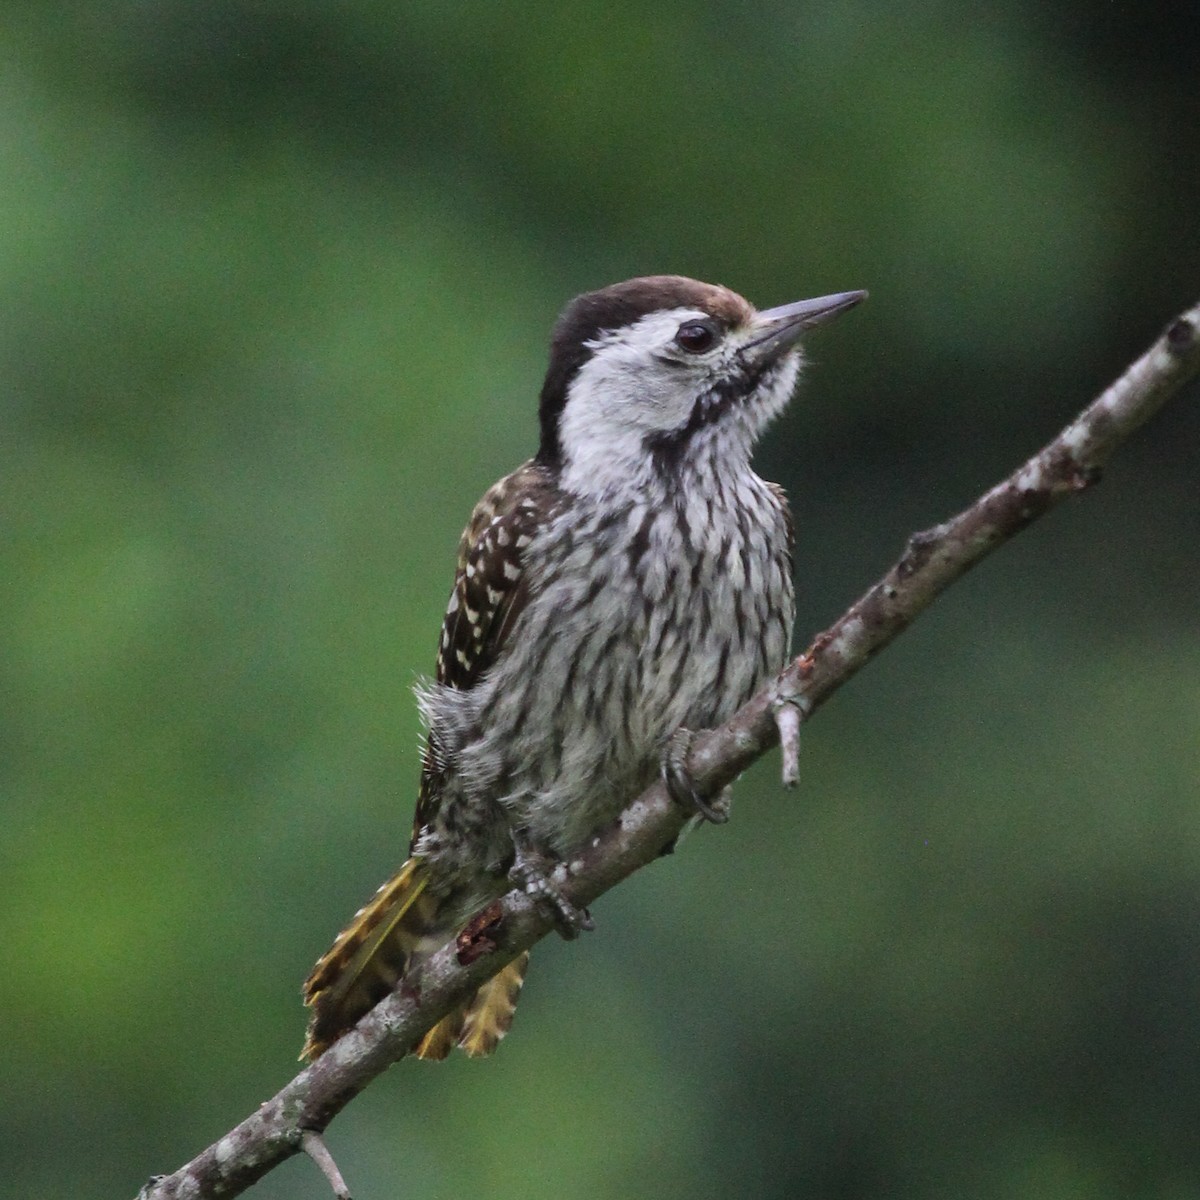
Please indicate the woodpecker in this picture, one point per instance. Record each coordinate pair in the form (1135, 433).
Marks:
(629, 584)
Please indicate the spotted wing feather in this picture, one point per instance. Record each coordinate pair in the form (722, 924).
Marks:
(491, 587)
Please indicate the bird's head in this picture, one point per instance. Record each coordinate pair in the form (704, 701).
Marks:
(644, 371)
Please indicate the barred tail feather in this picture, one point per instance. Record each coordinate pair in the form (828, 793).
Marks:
(372, 954)
(478, 1026)
(367, 959)
(441, 1039)
(489, 1016)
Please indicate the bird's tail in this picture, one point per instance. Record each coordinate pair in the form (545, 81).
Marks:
(371, 955)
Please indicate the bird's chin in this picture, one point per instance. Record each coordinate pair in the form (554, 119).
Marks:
(774, 391)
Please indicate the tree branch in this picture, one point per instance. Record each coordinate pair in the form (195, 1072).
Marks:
(931, 562)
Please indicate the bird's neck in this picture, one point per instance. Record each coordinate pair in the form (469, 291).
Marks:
(631, 468)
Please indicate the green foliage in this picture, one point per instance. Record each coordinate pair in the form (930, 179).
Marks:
(277, 281)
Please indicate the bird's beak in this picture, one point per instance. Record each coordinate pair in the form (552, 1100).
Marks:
(777, 329)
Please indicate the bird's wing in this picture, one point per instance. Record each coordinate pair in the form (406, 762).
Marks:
(491, 588)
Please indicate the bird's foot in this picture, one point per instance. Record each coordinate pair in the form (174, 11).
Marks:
(532, 871)
(682, 787)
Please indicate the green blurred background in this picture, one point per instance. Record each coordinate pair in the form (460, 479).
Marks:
(277, 282)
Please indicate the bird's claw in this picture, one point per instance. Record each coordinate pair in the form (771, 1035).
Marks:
(531, 872)
(682, 787)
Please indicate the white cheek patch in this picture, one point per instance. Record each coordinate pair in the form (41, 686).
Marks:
(630, 388)
(635, 377)
(638, 384)
(611, 392)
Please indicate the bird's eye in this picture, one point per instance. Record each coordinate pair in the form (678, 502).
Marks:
(696, 336)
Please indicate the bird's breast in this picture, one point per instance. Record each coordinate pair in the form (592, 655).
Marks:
(645, 617)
